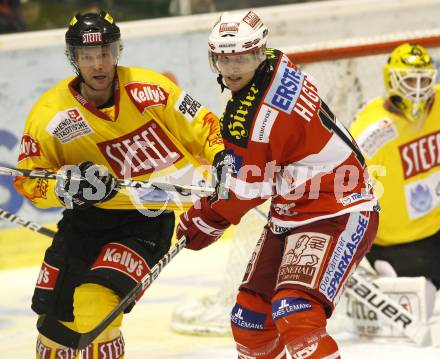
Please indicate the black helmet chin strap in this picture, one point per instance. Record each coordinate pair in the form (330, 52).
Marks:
(220, 82)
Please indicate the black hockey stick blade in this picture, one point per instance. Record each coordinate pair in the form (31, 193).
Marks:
(52, 328)
(9, 217)
(55, 330)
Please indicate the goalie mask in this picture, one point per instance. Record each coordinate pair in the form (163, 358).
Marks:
(409, 81)
(94, 37)
(237, 46)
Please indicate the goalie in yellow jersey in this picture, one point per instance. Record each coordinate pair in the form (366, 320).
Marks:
(399, 135)
(134, 123)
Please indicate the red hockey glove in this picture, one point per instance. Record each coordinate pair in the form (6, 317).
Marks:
(201, 225)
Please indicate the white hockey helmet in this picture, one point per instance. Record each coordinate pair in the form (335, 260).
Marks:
(237, 34)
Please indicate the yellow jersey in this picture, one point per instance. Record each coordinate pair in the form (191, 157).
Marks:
(154, 131)
(404, 160)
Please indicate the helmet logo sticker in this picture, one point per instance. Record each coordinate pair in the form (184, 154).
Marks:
(251, 43)
(109, 18)
(229, 27)
(251, 19)
(92, 37)
(73, 21)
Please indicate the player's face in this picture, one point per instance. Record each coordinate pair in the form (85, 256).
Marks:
(97, 66)
(237, 70)
(417, 83)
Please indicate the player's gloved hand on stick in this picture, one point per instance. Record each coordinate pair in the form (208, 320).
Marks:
(85, 185)
(201, 225)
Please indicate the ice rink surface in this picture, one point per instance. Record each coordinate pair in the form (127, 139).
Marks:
(146, 329)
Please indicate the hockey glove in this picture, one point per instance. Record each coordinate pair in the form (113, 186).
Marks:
(201, 225)
(85, 185)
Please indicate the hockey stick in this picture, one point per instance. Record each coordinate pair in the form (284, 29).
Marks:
(55, 330)
(8, 216)
(384, 307)
(182, 189)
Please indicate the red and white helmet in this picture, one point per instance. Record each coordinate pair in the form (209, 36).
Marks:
(235, 34)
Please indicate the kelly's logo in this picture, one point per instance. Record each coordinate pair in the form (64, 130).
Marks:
(146, 95)
(47, 277)
(29, 147)
(123, 259)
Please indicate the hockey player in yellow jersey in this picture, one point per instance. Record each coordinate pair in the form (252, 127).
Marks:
(134, 123)
(400, 137)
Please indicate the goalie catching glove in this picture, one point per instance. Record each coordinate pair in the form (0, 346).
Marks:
(84, 185)
(201, 225)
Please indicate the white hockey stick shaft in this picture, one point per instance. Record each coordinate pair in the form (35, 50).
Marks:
(120, 182)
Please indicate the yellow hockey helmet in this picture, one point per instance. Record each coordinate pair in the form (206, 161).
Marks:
(409, 79)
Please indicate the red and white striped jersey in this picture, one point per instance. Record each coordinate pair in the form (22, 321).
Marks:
(284, 143)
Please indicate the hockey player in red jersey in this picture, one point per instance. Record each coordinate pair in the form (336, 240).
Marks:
(283, 143)
(136, 123)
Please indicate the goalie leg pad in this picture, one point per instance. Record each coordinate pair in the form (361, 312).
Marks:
(415, 294)
(253, 328)
(301, 322)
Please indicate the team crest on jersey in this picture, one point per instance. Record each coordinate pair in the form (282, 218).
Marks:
(140, 152)
(68, 125)
(214, 137)
(188, 106)
(145, 95)
(29, 147)
(231, 160)
(420, 196)
(423, 195)
(376, 136)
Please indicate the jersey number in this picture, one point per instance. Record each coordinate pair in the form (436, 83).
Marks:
(329, 121)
